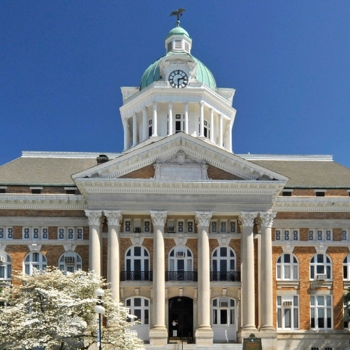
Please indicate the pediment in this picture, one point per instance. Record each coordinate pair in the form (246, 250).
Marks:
(180, 157)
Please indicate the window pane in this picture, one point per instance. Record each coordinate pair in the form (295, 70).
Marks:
(287, 258)
(223, 252)
(320, 301)
(2, 271)
(279, 318)
(232, 316)
(146, 320)
(295, 316)
(287, 272)
(279, 272)
(137, 301)
(320, 318)
(137, 251)
(295, 272)
(223, 316)
(287, 318)
(312, 318)
(215, 317)
(137, 313)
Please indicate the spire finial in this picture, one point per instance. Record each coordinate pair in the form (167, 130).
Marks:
(178, 14)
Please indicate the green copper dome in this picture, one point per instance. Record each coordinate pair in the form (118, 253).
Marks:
(152, 73)
(177, 31)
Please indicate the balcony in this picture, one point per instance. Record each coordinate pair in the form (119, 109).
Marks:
(181, 275)
(136, 275)
(228, 276)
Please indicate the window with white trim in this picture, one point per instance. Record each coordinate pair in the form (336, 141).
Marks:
(179, 123)
(6, 233)
(70, 233)
(288, 312)
(346, 268)
(147, 224)
(320, 267)
(5, 267)
(180, 226)
(70, 262)
(287, 235)
(344, 235)
(321, 235)
(214, 226)
(35, 233)
(287, 267)
(321, 315)
(150, 129)
(34, 260)
(224, 264)
(137, 263)
(180, 260)
(223, 311)
(223, 226)
(139, 307)
(233, 226)
(346, 316)
(190, 226)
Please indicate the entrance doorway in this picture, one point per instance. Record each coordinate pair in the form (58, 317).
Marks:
(180, 318)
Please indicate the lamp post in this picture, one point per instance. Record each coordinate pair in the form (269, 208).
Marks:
(100, 310)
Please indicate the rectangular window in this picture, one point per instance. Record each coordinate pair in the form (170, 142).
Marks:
(190, 226)
(127, 225)
(328, 235)
(180, 226)
(223, 227)
(286, 193)
(233, 226)
(311, 235)
(71, 233)
(9, 233)
(26, 233)
(287, 312)
(286, 235)
(44, 233)
(2, 233)
(295, 235)
(320, 194)
(80, 233)
(319, 235)
(321, 312)
(36, 233)
(278, 235)
(61, 233)
(147, 226)
(344, 235)
(213, 226)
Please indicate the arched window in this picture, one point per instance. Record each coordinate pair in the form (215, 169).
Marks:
(5, 267)
(34, 260)
(287, 267)
(320, 267)
(346, 268)
(180, 265)
(224, 265)
(137, 264)
(70, 262)
(139, 307)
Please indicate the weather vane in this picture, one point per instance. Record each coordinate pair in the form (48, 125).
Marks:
(178, 14)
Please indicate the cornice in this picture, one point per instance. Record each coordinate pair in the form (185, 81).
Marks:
(192, 147)
(45, 201)
(312, 204)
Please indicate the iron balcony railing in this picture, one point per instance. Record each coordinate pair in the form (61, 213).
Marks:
(136, 275)
(228, 276)
(181, 275)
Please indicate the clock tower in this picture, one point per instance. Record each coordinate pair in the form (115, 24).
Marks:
(177, 93)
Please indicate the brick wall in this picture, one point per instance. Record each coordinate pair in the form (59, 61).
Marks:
(144, 173)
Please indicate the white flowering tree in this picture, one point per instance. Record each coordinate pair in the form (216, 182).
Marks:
(53, 310)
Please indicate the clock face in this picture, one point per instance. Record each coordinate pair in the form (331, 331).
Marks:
(178, 79)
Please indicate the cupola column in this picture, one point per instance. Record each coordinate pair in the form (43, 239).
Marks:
(170, 112)
(94, 240)
(144, 124)
(158, 332)
(186, 117)
(212, 128)
(155, 120)
(113, 266)
(201, 118)
(204, 333)
(134, 130)
(126, 134)
(247, 252)
(221, 131)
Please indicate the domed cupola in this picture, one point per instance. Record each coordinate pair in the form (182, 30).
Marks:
(177, 93)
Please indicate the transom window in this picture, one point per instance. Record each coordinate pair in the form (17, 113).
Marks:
(140, 308)
(34, 260)
(321, 311)
(287, 267)
(320, 267)
(5, 267)
(6, 233)
(70, 262)
(224, 311)
(288, 312)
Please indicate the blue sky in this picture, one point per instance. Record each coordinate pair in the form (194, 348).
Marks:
(62, 64)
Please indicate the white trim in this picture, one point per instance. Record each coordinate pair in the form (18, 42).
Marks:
(288, 157)
(85, 155)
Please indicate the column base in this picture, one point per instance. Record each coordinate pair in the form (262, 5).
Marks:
(268, 337)
(158, 336)
(204, 336)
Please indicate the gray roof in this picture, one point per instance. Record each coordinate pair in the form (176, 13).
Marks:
(43, 171)
(310, 174)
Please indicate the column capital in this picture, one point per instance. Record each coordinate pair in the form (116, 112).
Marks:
(248, 218)
(203, 218)
(93, 217)
(267, 218)
(114, 217)
(158, 217)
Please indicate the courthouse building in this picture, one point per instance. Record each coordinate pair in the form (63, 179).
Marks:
(197, 241)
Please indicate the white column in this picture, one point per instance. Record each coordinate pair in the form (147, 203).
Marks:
(221, 131)
(186, 117)
(201, 120)
(158, 332)
(126, 134)
(113, 266)
(155, 120)
(94, 240)
(144, 124)
(134, 130)
(212, 128)
(248, 305)
(266, 297)
(229, 146)
(204, 333)
(170, 112)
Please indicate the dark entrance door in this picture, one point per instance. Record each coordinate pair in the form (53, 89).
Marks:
(180, 317)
